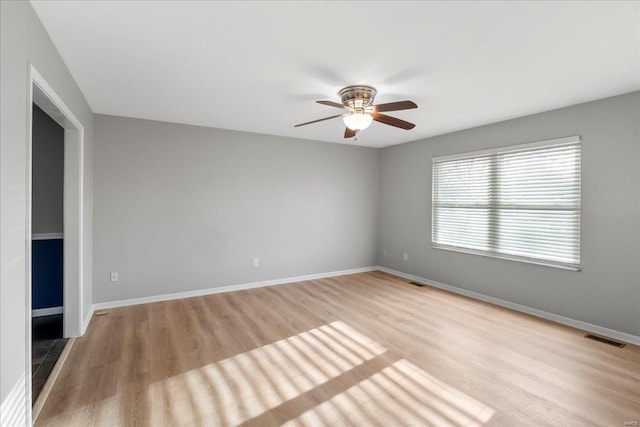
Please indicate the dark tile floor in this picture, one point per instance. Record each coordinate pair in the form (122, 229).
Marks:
(46, 346)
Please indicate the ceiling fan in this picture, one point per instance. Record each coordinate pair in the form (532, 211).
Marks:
(358, 101)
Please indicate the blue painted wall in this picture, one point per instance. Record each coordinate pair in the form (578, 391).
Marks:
(46, 270)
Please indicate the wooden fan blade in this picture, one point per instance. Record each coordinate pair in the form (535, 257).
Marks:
(332, 104)
(395, 106)
(349, 133)
(320, 120)
(392, 121)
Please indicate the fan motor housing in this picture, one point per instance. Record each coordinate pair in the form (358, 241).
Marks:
(358, 97)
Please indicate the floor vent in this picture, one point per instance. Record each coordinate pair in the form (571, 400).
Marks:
(417, 284)
(605, 340)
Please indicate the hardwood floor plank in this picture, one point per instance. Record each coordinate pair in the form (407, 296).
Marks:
(365, 349)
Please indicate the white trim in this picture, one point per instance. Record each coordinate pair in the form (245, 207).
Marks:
(12, 409)
(492, 254)
(28, 250)
(508, 149)
(40, 92)
(42, 83)
(578, 324)
(39, 312)
(223, 289)
(87, 319)
(47, 236)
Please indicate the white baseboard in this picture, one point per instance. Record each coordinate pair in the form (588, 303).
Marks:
(222, 289)
(47, 236)
(39, 312)
(87, 320)
(578, 324)
(13, 411)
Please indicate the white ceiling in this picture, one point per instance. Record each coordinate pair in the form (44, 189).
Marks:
(259, 66)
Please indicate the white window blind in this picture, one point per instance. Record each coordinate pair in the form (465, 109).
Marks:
(520, 202)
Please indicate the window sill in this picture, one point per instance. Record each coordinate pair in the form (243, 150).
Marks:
(545, 263)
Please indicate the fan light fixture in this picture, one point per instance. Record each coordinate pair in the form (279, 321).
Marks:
(357, 120)
(358, 110)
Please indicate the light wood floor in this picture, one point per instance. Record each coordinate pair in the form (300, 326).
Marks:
(365, 349)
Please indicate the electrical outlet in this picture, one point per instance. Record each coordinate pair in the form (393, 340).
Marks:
(256, 262)
(114, 276)
(384, 252)
(406, 256)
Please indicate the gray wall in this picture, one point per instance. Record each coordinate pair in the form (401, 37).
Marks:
(23, 40)
(48, 174)
(607, 290)
(181, 208)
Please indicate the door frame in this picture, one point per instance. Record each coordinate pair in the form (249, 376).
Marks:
(41, 93)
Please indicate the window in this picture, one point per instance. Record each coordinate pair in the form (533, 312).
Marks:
(520, 202)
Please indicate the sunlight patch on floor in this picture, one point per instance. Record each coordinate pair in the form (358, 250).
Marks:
(244, 386)
(328, 375)
(403, 394)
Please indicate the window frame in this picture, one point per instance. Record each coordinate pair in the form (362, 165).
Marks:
(570, 140)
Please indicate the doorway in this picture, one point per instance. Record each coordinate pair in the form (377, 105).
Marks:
(65, 242)
(47, 246)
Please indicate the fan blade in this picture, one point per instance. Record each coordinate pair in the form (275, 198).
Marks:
(320, 120)
(392, 121)
(394, 106)
(332, 104)
(349, 133)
